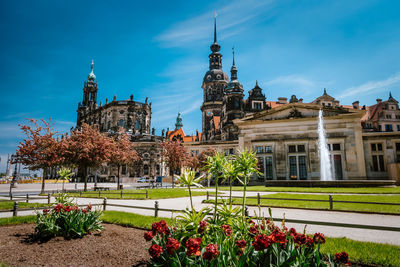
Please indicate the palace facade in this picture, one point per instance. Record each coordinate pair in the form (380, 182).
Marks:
(364, 142)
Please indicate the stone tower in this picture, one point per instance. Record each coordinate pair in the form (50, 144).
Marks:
(214, 82)
(89, 101)
(233, 105)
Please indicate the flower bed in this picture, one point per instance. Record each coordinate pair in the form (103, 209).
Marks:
(67, 220)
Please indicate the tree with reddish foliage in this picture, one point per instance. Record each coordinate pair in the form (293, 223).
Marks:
(40, 150)
(122, 152)
(198, 162)
(86, 147)
(174, 154)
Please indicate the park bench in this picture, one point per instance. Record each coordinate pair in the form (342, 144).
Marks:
(101, 188)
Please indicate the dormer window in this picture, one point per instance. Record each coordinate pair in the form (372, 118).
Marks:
(257, 105)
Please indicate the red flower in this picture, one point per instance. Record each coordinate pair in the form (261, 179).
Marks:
(241, 243)
(278, 237)
(89, 207)
(309, 242)
(202, 227)
(261, 242)
(155, 251)
(253, 229)
(342, 257)
(84, 210)
(211, 252)
(160, 227)
(300, 239)
(319, 238)
(148, 236)
(67, 208)
(193, 246)
(227, 229)
(58, 207)
(45, 211)
(172, 245)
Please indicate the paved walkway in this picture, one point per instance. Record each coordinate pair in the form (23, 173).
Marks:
(377, 236)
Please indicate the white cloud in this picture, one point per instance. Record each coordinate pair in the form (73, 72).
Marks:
(200, 27)
(371, 87)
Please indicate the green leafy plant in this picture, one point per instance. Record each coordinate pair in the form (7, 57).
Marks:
(188, 178)
(215, 165)
(246, 165)
(68, 221)
(64, 174)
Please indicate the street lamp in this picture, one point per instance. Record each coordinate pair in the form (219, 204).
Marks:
(14, 159)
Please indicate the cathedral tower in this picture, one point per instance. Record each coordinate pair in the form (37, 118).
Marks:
(232, 106)
(89, 101)
(214, 82)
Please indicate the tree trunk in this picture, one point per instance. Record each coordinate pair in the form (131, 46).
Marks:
(85, 178)
(43, 180)
(118, 167)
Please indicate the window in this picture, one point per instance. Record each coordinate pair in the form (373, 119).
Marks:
(388, 128)
(398, 152)
(231, 151)
(236, 103)
(260, 166)
(268, 149)
(268, 168)
(378, 164)
(336, 147)
(121, 123)
(292, 149)
(388, 116)
(292, 167)
(298, 148)
(259, 149)
(398, 127)
(301, 148)
(257, 106)
(137, 125)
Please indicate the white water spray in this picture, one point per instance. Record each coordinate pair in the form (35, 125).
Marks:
(324, 159)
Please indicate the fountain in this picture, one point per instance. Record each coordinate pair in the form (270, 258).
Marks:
(324, 157)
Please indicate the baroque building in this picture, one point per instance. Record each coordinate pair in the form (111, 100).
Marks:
(364, 141)
(134, 117)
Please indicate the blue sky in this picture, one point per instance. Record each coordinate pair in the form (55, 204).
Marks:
(159, 49)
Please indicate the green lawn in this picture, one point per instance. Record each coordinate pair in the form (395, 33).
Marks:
(363, 252)
(359, 252)
(358, 190)
(129, 193)
(17, 220)
(6, 205)
(131, 219)
(378, 208)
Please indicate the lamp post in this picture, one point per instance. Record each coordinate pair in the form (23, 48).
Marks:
(14, 179)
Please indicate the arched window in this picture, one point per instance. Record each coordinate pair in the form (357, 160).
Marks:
(121, 123)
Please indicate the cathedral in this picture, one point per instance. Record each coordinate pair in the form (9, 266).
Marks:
(135, 118)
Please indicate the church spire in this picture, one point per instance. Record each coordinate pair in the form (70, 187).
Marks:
(215, 57)
(233, 69)
(91, 76)
(178, 123)
(215, 27)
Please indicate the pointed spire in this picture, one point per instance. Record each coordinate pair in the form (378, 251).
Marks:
(233, 56)
(91, 74)
(325, 91)
(178, 123)
(390, 95)
(257, 83)
(233, 69)
(215, 27)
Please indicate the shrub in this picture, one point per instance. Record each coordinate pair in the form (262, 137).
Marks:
(67, 220)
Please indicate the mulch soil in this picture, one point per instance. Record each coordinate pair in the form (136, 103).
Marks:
(115, 246)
